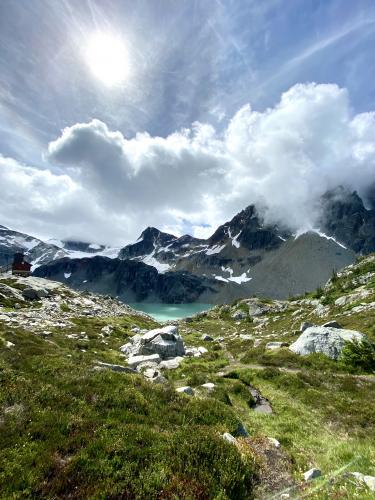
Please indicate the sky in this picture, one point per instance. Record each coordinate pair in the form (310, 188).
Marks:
(116, 115)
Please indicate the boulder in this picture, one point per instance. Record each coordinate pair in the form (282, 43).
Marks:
(186, 390)
(166, 342)
(326, 340)
(35, 293)
(207, 338)
(312, 474)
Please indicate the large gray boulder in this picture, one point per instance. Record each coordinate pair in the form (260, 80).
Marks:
(326, 340)
(166, 342)
(34, 293)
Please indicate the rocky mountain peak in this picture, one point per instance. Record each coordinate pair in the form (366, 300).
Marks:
(345, 217)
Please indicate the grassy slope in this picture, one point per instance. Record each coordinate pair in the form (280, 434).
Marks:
(324, 415)
(67, 431)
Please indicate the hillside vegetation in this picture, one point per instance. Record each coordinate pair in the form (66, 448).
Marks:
(71, 427)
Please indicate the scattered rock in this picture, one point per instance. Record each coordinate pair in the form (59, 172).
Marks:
(209, 386)
(369, 481)
(261, 405)
(239, 315)
(207, 338)
(274, 441)
(35, 293)
(186, 390)
(327, 340)
(202, 350)
(312, 474)
(241, 431)
(351, 298)
(244, 336)
(171, 364)
(228, 437)
(134, 361)
(321, 310)
(276, 345)
(115, 368)
(107, 330)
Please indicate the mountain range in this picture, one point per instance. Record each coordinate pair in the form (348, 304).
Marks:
(244, 256)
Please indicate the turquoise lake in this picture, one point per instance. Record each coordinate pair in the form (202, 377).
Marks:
(165, 312)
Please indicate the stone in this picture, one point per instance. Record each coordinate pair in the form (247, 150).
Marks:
(115, 368)
(107, 330)
(171, 364)
(186, 390)
(332, 324)
(209, 386)
(305, 325)
(274, 441)
(239, 315)
(369, 481)
(276, 345)
(10, 292)
(241, 431)
(35, 293)
(228, 437)
(351, 298)
(207, 338)
(244, 336)
(134, 361)
(312, 474)
(151, 373)
(9, 344)
(321, 310)
(326, 340)
(257, 342)
(202, 350)
(166, 342)
(136, 329)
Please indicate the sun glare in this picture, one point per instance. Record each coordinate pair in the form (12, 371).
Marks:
(107, 58)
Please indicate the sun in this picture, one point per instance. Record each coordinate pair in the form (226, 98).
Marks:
(107, 58)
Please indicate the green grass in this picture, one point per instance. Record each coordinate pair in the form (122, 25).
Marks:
(69, 431)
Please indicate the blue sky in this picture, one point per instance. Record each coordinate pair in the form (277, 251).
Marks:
(189, 61)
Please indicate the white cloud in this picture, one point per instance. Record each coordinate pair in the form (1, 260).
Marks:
(283, 158)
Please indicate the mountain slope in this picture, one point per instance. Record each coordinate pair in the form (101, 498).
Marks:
(346, 218)
(38, 252)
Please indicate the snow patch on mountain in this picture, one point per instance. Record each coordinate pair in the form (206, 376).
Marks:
(150, 260)
(243, 278)
(215, 249)
(323, 235)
